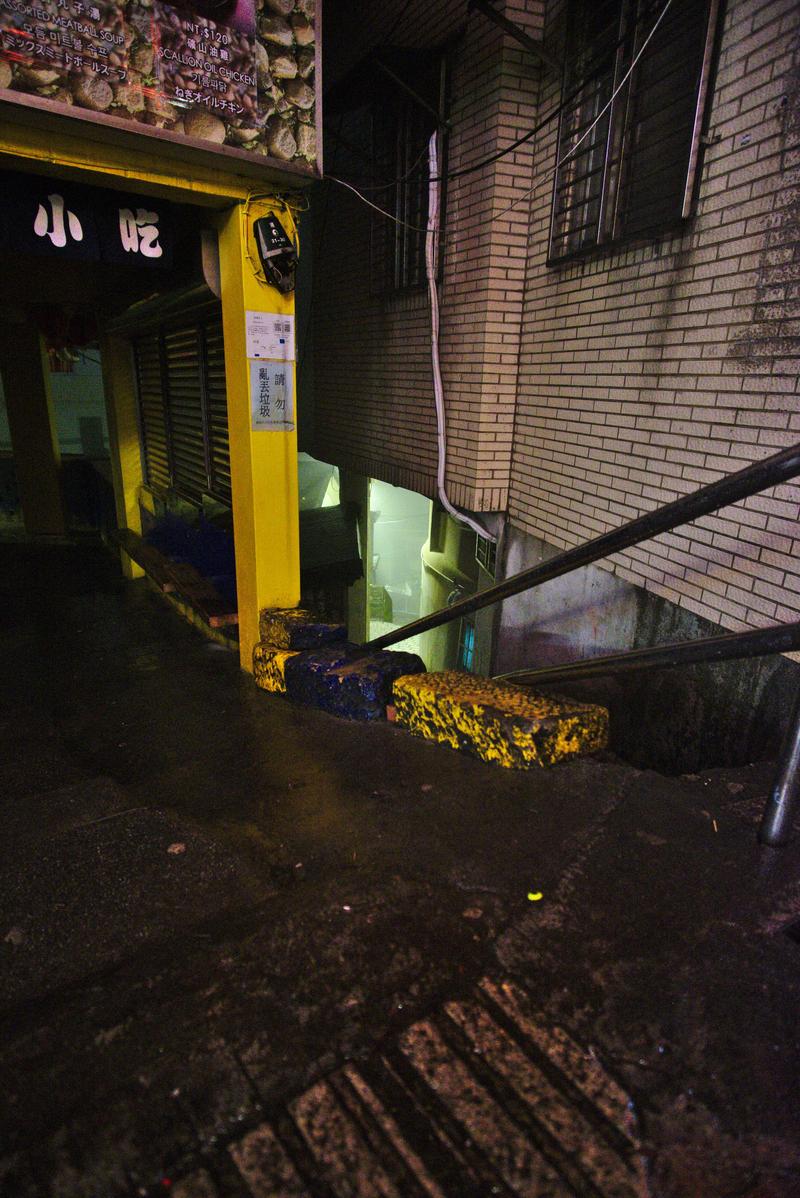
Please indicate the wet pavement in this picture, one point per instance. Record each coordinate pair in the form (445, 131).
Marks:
(223, 916)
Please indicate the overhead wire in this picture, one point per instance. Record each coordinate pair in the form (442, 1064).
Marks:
(383, 212)
(594, 71)
(432, 233)
(401, 178)
(591, 74)
(387, 37)
(514, 145)
(570, 153)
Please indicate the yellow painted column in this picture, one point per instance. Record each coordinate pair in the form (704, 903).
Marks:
(263, 460)
(119, 385)
(37, 460)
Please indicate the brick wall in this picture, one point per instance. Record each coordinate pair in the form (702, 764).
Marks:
(374, 409)
(588, 393)
(647, 372)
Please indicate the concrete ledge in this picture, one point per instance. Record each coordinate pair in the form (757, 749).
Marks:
(295, 628)
(269, 667)
(498, 722)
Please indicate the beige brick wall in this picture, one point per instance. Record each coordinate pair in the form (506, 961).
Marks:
(649, 371)
(640, 374)
(374, 407)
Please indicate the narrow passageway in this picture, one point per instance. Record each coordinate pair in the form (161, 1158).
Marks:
(212, 900)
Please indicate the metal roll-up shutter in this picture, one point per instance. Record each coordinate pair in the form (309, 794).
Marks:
(184, 387)
(217, 414)
(183, 405)
(152, 412)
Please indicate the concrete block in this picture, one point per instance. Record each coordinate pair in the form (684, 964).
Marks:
(295, 628)
(269, 665)
(498, 722)
(347, 681)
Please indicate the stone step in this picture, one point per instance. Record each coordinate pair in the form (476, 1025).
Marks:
(497, 722)
(296, 628)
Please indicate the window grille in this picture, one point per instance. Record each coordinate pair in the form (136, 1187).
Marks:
(633, 173)
(486, 554)
(401, 129)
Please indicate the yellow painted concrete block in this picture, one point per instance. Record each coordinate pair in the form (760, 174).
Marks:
(496, 721)
(269, 665)
(296, 628)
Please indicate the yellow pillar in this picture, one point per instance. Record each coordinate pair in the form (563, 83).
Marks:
(263, 460)
(119, 385)
(37, 460)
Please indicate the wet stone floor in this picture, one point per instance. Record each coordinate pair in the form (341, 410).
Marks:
(248, 949)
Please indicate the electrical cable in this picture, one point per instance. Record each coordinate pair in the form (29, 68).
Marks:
(594, 123)
(559, 164)
(565, 103)
(402, 178)
(383, 212)
(620, 85)
(431, 251)
(525, 137)
(387, 37)
(431, 254)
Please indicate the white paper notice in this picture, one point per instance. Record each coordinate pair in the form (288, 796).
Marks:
(271, 396)
(270, 335)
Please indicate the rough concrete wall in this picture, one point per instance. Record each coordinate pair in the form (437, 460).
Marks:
(649, 371)
(374, 388)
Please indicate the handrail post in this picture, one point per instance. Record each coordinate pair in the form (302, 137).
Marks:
(780, 807)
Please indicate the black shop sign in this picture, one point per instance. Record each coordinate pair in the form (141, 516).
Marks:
(45, 217)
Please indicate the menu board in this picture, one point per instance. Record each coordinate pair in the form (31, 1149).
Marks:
(234, 72)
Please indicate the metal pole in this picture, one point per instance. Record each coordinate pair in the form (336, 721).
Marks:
(776, 825)
(767, 473)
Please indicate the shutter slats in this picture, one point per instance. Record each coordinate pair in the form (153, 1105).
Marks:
(184, 395)
(183, 410)
(217, 410)
(152, 414)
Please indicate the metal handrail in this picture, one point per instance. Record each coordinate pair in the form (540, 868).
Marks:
(759, 642)
(782, 801)
(778, 468)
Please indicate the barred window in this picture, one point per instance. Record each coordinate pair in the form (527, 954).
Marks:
(402, 124)
(632, 172)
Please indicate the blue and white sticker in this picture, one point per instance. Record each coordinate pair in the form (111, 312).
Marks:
(270, 335)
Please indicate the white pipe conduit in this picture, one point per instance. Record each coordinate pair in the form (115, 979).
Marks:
(431, 259)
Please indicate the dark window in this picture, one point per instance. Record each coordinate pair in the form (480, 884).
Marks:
(465, 658)
(633, 173)
(402, 125)
(486, 554)
(183, 410)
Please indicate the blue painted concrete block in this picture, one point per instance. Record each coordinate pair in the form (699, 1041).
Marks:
(347, 681)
